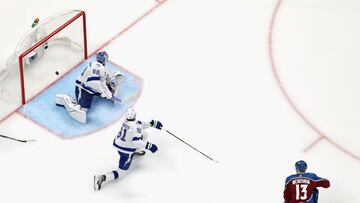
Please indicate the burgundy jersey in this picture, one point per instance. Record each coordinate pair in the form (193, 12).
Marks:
(301, 188)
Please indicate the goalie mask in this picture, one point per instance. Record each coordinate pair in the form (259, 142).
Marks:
(102, 57)
(130, 114)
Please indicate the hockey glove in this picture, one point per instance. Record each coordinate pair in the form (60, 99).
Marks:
(152, 147)
(156, 124)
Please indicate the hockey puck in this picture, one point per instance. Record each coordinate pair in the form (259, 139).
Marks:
(56, 73)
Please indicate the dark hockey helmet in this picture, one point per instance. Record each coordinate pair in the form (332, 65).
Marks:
(102, 57)
(301, 166)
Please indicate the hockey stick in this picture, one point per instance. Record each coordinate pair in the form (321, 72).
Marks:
(11, 138)
(190, 146)
(115, 99)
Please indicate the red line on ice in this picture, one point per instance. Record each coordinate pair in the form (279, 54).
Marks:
(158, 4)
(287, 97)
(313, 144)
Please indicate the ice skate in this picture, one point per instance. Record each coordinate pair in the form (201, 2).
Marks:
(139, 153)
(98, 181)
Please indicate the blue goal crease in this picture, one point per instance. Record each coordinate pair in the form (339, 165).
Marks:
(43, 111)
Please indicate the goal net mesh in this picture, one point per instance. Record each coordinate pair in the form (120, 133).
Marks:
(55, 44)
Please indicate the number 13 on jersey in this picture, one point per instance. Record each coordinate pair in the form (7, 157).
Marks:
(301, 191)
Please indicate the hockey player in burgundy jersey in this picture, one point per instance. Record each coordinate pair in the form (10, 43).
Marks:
(302, 187)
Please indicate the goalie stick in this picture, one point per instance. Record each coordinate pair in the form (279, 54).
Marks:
(116, 100)
(18, 140)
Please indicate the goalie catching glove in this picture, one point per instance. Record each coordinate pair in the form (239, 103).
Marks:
(113, 81)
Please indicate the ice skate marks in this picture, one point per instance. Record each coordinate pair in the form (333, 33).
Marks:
(43, 111)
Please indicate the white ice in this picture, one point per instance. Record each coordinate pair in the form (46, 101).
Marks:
(208, 77)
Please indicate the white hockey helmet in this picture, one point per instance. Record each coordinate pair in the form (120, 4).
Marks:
(130, 114)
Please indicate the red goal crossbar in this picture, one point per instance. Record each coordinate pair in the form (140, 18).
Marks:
(21, 65)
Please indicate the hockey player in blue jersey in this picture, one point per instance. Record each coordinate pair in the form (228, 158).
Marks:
(302, 186)
(93, 81)
(130, 142)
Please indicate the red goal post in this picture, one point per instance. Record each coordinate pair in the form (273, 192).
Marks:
(80, 15)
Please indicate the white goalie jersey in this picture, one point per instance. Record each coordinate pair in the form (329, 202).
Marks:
(131, 136)
(93, 80)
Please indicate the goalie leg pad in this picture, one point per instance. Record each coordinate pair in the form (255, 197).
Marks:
(60, 99)
(73, 109)
(76, 113)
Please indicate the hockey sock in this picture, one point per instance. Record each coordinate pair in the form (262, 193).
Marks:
(114, 174)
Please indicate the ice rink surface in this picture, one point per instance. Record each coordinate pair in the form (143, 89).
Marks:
(255, 84)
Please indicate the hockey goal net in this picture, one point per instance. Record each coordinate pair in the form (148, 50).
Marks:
(54, 45)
